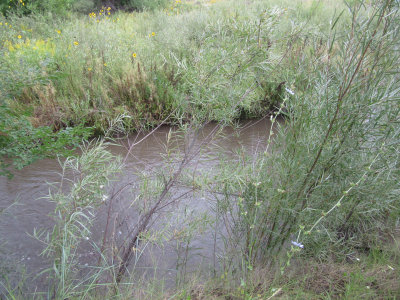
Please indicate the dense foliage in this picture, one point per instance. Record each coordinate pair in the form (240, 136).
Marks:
(22, 144)
(61, 8)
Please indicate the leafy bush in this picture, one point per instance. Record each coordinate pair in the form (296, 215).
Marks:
(22, 144)
(146, 4)
(329, 183)
(74, 217)
(136, 4)
(57, 7)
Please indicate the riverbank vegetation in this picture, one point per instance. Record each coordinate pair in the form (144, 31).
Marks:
(314, 214)
(181, 63)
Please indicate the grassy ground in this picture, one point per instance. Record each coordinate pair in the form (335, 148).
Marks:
(366, 276)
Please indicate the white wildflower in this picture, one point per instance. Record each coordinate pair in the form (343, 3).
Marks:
(289, 91)
(297, 244)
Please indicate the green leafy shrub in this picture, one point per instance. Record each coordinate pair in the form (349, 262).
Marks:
(136, 4)
(22, 144)
(74, 216)
(329, 183)
(57, 7)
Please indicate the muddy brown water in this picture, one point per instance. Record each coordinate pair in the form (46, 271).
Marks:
(30, 210)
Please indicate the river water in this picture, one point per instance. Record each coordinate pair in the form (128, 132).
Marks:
(30, 210)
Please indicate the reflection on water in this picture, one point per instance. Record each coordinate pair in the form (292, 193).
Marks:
(30, 185)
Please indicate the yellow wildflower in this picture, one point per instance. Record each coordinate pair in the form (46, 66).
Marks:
(108, 8)
(19, 36)
(76, 43)
(105, 64)
(153, 33)
(134, 55)
(89, 69)
(58, 31)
